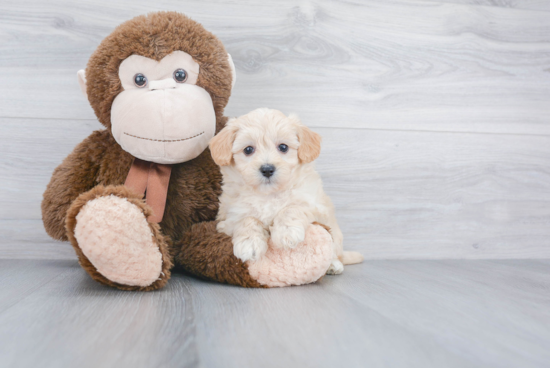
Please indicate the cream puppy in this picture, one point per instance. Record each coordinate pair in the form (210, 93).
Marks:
(270, 186)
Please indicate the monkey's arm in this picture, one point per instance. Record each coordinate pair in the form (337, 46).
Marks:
(76, 175)
(208, 254)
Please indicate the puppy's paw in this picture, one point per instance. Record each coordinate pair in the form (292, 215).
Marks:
(287, 236)
(250, 248)
(221, 226)
(336, 268)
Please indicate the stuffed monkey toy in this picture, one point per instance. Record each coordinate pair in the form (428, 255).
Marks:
(138, 199)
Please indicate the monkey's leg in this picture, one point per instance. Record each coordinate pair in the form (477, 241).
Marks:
(208, 254)
(115, 244)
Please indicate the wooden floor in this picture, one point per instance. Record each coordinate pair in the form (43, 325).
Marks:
(435, 117)
(454, 313)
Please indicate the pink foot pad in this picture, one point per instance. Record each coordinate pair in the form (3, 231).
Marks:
(305, 264)
(115, 236)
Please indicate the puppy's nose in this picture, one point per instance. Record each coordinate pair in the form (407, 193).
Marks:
(267, 170)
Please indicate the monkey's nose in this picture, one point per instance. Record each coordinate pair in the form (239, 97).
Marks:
(162, 84)
(267, 170)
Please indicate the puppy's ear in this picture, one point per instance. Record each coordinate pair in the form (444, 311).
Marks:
(221, 144)
(310, 142)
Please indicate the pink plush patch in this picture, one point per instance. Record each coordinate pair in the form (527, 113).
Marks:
(115, 236)
(305, 264)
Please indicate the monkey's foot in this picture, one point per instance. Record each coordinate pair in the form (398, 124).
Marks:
(108, 227)
(306, 263)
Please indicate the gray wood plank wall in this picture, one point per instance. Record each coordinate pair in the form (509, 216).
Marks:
(435, 114)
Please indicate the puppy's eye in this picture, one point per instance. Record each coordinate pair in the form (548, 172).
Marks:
(248, 150)
(180, 75)
(283, 148)
(140, 80)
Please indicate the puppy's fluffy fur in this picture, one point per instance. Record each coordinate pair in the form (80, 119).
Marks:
(255, 206)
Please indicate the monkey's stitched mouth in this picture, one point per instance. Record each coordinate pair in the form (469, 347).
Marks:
(164, 140)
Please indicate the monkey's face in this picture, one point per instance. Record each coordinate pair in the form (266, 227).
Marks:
(162, 115)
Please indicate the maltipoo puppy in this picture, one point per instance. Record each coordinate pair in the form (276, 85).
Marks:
(270, 186)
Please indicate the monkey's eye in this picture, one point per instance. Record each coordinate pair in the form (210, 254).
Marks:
(283, 148)
(140, 80)
(248, 150)
(180, 75)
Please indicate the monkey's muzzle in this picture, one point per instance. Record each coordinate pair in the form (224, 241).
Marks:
(165, 123)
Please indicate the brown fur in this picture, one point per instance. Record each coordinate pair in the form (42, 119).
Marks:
(78, 173)
(99, 166)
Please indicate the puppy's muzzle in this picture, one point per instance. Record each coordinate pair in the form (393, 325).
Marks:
(267, 170)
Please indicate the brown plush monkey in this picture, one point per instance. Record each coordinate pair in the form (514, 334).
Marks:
(140, 196)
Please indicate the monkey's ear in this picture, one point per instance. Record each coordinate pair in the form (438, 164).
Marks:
(233, 71)
(310, 142)
(221, 145)
(81, 75)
